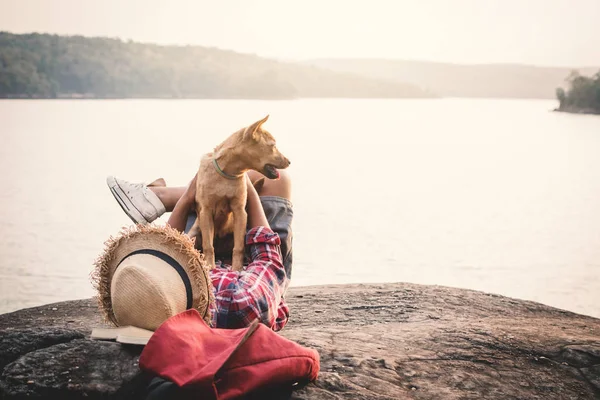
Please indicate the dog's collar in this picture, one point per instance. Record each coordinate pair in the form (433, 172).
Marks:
(223, 173)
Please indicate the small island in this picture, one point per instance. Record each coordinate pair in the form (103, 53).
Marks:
(582, 96)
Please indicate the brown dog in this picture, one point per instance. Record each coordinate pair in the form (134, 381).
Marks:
(221, 187)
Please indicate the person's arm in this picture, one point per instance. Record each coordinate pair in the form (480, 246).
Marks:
(256, 292)
(186, 203)
(254, 208)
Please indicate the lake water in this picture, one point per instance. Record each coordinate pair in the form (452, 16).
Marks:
(496, 195)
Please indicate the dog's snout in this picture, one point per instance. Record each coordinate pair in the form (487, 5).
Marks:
(287, 160)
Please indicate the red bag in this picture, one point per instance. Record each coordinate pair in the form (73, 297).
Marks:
(225, 363)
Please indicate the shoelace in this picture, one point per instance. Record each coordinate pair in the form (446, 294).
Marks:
(137, 186)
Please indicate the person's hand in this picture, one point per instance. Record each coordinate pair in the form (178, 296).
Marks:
(184, 205)
(190, 192)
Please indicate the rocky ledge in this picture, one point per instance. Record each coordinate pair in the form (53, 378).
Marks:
(389, 341)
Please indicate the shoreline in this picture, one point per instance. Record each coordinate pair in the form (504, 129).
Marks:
(376, 341)
(335, 286)
(341, 285)
(234, 98)
(583, 111)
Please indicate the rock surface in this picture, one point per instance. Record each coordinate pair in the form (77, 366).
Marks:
(389, 341)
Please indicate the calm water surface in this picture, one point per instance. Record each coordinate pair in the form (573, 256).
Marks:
(496, 195)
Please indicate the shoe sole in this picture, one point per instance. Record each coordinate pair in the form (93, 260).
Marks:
(125, 202)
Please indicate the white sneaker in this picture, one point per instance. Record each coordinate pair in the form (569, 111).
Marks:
(138, 202)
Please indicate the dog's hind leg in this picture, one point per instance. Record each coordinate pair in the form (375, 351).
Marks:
(240, 218)
(195, 229)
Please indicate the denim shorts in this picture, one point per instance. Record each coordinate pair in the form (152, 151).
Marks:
(279, 214)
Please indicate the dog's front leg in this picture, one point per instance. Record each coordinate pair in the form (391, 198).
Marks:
(207, 227)
(240, 218)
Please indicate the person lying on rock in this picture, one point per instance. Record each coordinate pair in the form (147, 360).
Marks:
(237, 298)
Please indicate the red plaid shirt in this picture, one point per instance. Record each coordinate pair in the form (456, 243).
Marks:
(255, 292)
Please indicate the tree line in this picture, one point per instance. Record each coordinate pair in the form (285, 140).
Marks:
(49, 66)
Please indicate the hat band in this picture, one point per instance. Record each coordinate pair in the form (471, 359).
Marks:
(171, 261)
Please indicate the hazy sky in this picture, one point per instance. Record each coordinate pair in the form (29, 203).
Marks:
(542, 32)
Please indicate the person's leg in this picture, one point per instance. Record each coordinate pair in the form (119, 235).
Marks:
(281, 187)
(143, 204)
(136, 199)
(169, 196)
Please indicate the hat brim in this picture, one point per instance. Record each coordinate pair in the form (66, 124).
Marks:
(161, 238)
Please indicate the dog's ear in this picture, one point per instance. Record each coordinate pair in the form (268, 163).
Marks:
(251, 131)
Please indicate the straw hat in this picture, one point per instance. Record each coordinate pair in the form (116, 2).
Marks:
(149, 273)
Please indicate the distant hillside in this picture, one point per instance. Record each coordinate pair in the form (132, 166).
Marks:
(453, 80)
(39, 65)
